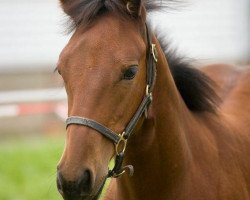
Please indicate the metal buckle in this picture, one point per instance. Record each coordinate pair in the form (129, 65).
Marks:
(148, 93)
(119, 174)
(154, 52)
(121, 145)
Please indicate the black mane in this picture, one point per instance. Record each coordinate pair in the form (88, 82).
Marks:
(194, 86)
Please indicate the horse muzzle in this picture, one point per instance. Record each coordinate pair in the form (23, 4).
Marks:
(83, 188)
(79, 189)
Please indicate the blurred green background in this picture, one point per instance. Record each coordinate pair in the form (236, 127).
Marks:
(28, 168)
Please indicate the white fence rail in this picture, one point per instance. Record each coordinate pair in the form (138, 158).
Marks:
(30, 102)
(25, 96)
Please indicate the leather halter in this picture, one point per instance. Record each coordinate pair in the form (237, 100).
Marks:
(120, 140)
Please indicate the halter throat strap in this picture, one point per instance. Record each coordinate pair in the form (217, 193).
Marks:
(120, 140)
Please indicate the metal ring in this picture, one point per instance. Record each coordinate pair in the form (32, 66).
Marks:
(121, 145)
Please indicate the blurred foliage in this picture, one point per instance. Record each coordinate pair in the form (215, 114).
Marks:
(28, 169)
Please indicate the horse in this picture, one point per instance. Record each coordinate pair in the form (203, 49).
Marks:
(176, 131)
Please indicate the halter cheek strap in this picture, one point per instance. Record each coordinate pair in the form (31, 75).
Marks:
(120, 140)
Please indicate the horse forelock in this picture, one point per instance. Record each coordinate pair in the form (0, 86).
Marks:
(84, 12)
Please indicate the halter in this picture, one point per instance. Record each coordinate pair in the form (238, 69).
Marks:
(120, 140)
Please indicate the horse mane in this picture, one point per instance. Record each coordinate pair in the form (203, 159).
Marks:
(194, 86)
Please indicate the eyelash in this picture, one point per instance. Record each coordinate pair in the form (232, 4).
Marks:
(57, 70)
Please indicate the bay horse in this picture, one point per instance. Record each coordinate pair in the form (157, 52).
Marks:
(185, 131)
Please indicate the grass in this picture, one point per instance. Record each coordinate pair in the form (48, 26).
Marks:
(28, 169)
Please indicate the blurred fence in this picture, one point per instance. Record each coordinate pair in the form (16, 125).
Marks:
(25, 102)
(31, 103)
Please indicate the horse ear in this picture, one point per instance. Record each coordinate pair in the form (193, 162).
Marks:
(135, 7)
(63, 2)
(67, 5)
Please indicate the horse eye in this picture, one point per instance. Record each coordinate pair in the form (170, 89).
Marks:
(130, 73)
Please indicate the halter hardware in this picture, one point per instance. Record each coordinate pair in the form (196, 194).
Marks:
(120, 140)
(150, 96)
(121, 145)
(148, 93)
(154, 52)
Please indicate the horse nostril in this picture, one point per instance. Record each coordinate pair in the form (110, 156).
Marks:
(85, 183)
(59, 183)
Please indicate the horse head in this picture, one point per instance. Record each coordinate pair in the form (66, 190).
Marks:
(104, 70)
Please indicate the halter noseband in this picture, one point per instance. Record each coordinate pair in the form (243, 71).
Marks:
(120, 140)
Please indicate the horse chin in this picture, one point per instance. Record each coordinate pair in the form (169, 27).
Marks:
(93, 196)
(96, 197)
(98, 191)
(87, 197)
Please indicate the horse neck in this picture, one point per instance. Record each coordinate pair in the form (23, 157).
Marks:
(159, 150)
